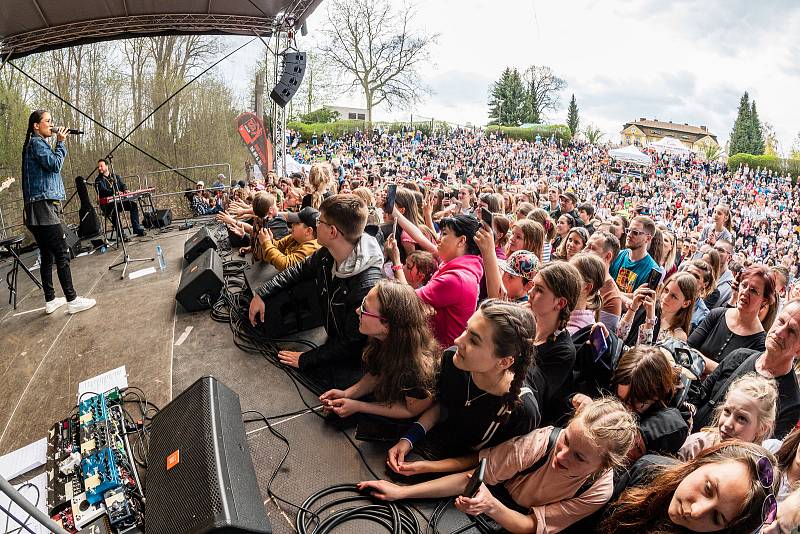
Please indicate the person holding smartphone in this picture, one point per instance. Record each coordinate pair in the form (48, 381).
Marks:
(543, 481)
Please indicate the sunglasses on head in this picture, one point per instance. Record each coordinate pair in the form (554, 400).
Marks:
(766, 476)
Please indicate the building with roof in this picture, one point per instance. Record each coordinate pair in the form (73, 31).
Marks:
(646, 131)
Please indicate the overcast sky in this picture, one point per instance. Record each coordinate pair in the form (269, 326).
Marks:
(681, 60)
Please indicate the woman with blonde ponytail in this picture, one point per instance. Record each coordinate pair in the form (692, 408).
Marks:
(554, 295)
(544, 481)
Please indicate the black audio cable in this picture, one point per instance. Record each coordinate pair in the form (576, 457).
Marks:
(396, 518)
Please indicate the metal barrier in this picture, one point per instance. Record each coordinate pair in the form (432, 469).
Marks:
(228, 165)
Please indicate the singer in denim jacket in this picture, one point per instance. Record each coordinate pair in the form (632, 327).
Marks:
(43, 191)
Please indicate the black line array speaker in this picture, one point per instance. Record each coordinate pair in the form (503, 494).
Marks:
(200, 476)
(197, 244)
(294, 68)
(201, 282)
(159, 219)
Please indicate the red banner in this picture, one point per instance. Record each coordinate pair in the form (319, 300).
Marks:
(255, 136)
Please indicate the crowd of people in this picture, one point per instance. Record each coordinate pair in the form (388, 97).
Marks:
(618, 344)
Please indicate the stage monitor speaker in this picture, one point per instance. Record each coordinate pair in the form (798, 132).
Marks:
(201, 282)
(73, 241)
(292, 72)
(200, 476)
(161, 219)
(197, 244)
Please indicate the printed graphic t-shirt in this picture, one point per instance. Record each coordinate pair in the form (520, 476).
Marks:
(629, 274)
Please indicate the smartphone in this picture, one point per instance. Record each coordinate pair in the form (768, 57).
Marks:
(391, 193)
(599, 343)
(653, 279)
(475, 480)
(486, 218)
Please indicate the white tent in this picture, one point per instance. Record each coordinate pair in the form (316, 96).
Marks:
(630, 154)
(292, 165)
(670, 145)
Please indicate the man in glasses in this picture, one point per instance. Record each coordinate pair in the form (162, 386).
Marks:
(634, 264)
(344, 270)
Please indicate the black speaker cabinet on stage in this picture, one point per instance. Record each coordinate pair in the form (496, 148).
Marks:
(294, 68)
(201, 282)
(161, 219)
(73, 241)
(197, 244)
(200, 476)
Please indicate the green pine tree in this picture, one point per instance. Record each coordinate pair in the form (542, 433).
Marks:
(739, 142)
(573, 121)
(506, 99)
(530, 108)
(515, 99)
(498, 97)
(755, 133)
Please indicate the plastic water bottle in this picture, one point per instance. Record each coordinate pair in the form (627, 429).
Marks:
(162, 262)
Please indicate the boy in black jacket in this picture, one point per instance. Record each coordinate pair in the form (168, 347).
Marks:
(344, 270)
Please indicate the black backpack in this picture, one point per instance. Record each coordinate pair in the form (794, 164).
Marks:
(592, 373)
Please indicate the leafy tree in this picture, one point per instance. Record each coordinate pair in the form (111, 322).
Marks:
(711, 152)
(739, 141)
(770, 139)
(795, 152)
(321, 115)
(373, 47)
(542, 89)
(755, 134)
(572, 115)
(593, 134)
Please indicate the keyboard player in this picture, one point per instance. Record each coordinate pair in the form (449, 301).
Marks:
(105, 188)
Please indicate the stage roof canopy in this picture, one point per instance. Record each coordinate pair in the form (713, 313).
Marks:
(29, 26)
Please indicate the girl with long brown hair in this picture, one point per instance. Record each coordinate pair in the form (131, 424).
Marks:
(723, 489)
(400, 359)
(645, 381)
(482, 397)
(555, 293)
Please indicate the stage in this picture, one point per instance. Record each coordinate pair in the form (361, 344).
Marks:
(137, 323)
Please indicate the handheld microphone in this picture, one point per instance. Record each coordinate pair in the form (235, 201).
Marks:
(70, 131)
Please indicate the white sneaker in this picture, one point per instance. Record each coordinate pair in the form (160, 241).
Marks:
(80, 304)
(53, 305)
(36, 266)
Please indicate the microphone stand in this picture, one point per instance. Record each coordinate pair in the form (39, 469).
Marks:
(126, 259)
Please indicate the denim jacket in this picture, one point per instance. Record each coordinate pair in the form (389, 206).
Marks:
(42, 170)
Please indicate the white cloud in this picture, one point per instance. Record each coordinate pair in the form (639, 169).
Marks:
(684, 60)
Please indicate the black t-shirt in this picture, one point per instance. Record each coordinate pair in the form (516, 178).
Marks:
(486, 421)
(550, 376)
(738, 363)
(714, 339)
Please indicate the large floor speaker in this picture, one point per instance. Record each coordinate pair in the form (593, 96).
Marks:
(73, 241)
(201, 282)
(161, 219)
(200, 476)
(197, 244)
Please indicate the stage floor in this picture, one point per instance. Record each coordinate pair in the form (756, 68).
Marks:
(137, 323)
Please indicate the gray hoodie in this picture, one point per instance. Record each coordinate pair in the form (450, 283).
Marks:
(366, 254)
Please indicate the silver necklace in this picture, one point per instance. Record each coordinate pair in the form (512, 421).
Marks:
(469, 401)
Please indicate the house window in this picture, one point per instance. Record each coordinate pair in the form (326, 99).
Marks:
(352, 116)
(361, 117)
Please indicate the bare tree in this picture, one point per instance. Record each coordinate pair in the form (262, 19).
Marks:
(376, 50)
(542, 89)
